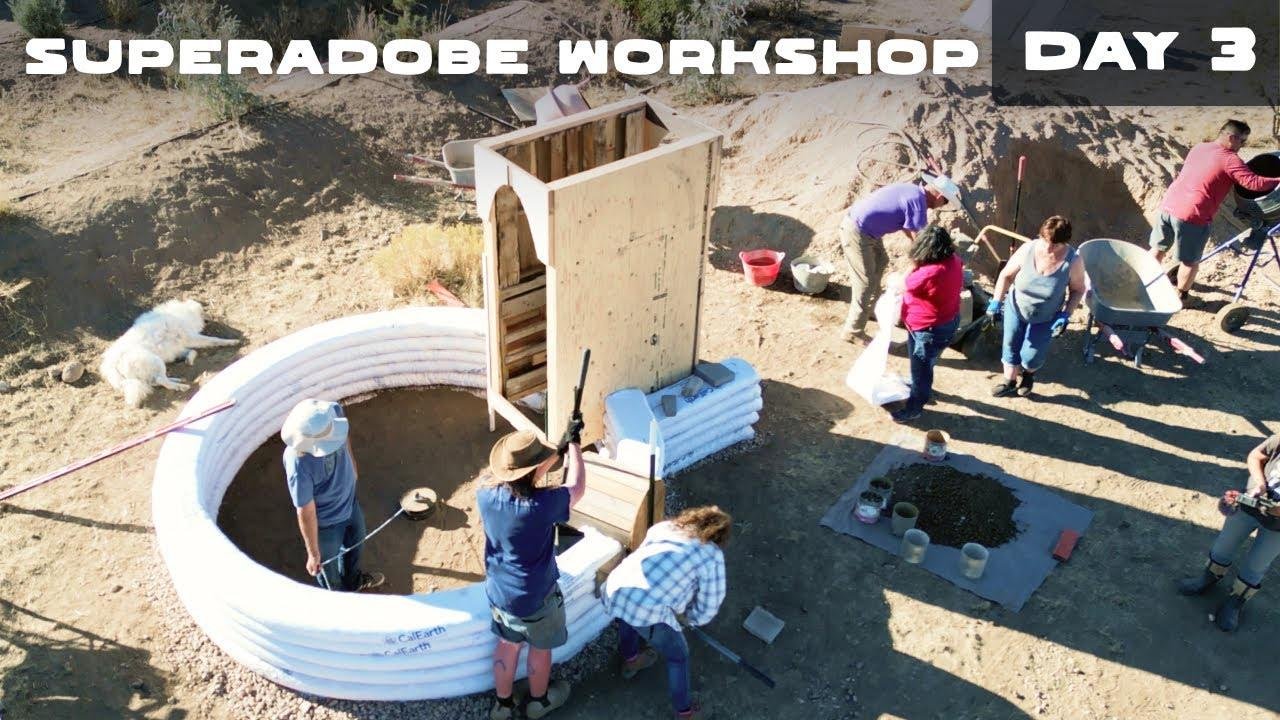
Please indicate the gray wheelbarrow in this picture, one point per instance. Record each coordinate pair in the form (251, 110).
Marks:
(1130, 300)
(458, 158)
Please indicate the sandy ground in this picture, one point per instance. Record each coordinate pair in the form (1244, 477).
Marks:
(401, 439)
(272, 223)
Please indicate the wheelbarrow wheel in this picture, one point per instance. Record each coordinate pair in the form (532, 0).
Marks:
(1232, 317)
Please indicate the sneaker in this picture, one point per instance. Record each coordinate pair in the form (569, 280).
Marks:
(693, 713)
(557, 695)
(855, 337)
(499, 711)
(1027, 382)
(370, 581)
(906, 415)
(1004, 388)
(632, 667)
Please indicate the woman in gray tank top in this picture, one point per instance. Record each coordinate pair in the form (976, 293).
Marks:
(1047, 279)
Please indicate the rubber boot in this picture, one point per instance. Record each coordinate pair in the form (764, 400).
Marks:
(1228, 615)
(1198, 584)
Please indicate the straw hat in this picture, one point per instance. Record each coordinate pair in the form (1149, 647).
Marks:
(517, 454)
(314, 428)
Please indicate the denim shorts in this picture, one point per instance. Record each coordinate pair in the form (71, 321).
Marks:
(545, 629)
(1190, 239)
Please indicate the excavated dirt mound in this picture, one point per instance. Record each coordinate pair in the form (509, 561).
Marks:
(957, 507)
(794, 163)
(402, 439)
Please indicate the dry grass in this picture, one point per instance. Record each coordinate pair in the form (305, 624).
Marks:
(422, 253)
(363, 25)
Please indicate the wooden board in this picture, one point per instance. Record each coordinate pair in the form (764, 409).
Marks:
(630, 244)
(506, 211)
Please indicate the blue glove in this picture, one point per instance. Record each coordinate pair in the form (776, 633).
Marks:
(1059, 324)
(993, 307)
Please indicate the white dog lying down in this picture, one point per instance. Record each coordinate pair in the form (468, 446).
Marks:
(135, 362)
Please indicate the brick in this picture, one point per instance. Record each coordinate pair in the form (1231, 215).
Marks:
(1066, 545)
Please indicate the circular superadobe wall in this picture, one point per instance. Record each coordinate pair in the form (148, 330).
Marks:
(340, 645)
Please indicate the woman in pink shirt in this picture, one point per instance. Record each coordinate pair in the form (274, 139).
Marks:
(930, 310)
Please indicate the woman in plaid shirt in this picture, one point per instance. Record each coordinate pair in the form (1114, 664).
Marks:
(675, 576)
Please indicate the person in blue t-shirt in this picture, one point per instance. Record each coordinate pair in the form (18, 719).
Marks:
(321, 474)
(520, 563)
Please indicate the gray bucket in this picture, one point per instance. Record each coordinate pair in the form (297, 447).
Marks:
(810, 274)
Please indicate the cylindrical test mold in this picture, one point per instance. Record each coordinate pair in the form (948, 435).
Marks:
(867, 510)
(914, 544)
(884, 488)
(973, 560)
(905, 516)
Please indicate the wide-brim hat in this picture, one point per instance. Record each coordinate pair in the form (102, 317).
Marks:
(313, 427)
(517, 454)
(949, 189)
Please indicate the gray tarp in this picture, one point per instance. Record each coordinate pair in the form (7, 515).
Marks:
(1015, 569)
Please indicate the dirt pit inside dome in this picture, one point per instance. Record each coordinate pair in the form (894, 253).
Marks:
(401, 439)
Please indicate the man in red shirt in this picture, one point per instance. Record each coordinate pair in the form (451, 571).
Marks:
(1208, 174)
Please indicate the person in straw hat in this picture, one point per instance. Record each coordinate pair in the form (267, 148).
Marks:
(520, 517)
(898, 207)
(321, 474)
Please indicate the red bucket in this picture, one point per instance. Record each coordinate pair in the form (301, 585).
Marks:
(761, 266)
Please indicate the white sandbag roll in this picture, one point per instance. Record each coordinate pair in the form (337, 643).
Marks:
(706, 423)
(343, 645)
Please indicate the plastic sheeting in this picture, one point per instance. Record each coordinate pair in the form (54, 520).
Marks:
(710, 421)
(1015, 569)
(869, 376)
(342, 645)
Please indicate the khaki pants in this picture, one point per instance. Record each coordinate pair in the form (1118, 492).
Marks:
(867, 260)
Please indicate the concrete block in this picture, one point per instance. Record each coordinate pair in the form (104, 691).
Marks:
(669, 407)
(763, 624)
(714, 374)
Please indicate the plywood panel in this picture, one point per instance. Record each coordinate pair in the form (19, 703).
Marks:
(626, 281)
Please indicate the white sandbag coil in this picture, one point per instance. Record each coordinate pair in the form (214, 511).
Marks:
(341, 645)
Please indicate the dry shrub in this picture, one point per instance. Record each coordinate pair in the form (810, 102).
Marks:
(656, 18)
(422, 253)
(779, 9)
(226, 96)
(363, 25)
(714, 21)
(39, 18)
(120, 12)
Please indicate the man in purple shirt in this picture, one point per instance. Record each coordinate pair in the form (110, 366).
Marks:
(901, 206)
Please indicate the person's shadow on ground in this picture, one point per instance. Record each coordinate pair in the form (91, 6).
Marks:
(67, 672)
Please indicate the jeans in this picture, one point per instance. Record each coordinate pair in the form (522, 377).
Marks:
(924, 346)
(867, 260)
(1025, 343)
(1265, 548)
(343, 573)
(670, 643)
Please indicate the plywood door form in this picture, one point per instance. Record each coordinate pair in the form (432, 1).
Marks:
(616, 202)
(628, 277)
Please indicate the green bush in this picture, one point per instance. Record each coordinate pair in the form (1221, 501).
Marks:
(714, 21)
(226, 96)
(120, 12)
(656, 19)
(39, 18)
